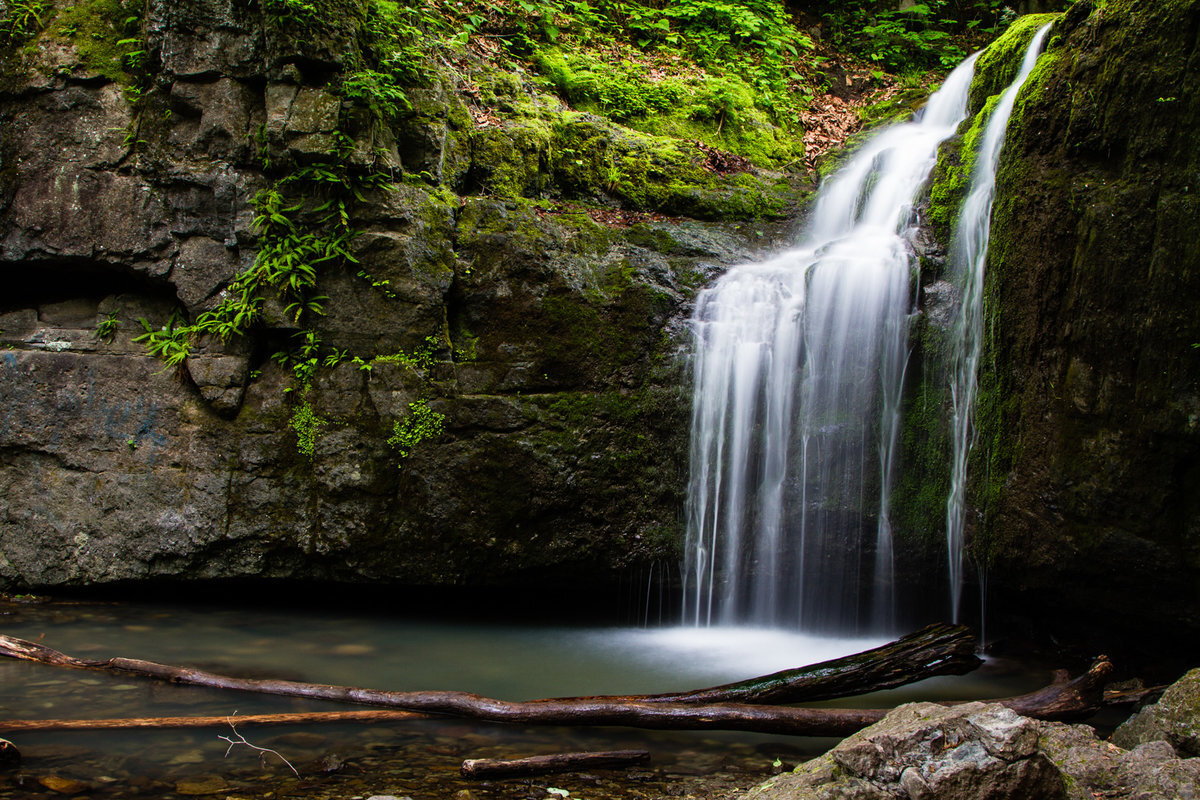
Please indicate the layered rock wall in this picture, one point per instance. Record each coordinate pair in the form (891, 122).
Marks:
(545, 336)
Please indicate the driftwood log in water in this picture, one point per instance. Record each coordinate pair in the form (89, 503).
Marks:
(558, 762)
(286, 718)
(1078, 698)
(940, 649)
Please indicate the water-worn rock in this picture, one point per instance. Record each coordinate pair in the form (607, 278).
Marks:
(975, 751)
(1174, 719)
(1090, 384)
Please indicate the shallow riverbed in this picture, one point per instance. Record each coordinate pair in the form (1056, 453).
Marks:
(413, 758)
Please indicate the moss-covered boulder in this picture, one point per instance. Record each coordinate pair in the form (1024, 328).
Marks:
(1175, 719)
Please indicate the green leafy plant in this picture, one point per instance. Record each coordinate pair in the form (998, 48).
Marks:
(171, 342)
(106, 328)
(23, 20)
(378, 91)
(421, 424)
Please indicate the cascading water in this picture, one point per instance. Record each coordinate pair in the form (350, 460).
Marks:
(797, 377)
(968, 258)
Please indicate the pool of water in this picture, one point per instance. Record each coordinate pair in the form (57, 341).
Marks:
(413, 758)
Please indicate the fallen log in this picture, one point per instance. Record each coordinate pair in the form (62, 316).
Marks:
(559, 762)
(939, 649)
(1078, 698)
(287, 718)
(1066, 700)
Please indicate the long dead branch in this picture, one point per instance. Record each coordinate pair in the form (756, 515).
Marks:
(558, 762)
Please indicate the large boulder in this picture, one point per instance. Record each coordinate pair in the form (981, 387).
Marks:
(979, 751)
(1174, 719)
(925, 751)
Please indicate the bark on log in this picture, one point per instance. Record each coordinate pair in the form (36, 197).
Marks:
(288, 718)
(559, 762)
(1075, 699)
(939, 649)
(1064, 700)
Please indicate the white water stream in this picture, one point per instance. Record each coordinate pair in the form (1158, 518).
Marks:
(968, 259)
(797, 379)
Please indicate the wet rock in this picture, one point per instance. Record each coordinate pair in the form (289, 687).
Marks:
(63, 785)
(552, 337)
(220, 379)
(1175, 719)
(202, 786)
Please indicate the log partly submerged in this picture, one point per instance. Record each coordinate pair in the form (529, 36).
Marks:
(558, 762)
(1071, 700)
(940, 649)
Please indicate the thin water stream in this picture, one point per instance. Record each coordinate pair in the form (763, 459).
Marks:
(968, 260)
(419, 758)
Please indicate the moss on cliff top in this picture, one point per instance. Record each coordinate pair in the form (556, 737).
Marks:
(1000, 62)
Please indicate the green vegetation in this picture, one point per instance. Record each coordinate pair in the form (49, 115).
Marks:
(106, 328)
(306, 424)
(422, 423)
(23, 20)
(171, 342)
(926, 35)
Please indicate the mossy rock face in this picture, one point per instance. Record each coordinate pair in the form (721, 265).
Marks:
(1089, 440)
(486, 278)
(585, 158)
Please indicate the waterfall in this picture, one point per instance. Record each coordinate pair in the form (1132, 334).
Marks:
(968, 258)
(797, 375)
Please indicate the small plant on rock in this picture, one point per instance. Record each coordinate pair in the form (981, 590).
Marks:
(421, 423)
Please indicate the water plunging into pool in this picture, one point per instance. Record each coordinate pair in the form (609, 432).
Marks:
(798, 371)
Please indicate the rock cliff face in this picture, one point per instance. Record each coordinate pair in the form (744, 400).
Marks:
(1086, 474)
(1090, 473)
(520, 348)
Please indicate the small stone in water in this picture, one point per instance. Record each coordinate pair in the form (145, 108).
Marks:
(209, 785)
(352, 650)
(56, 783)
